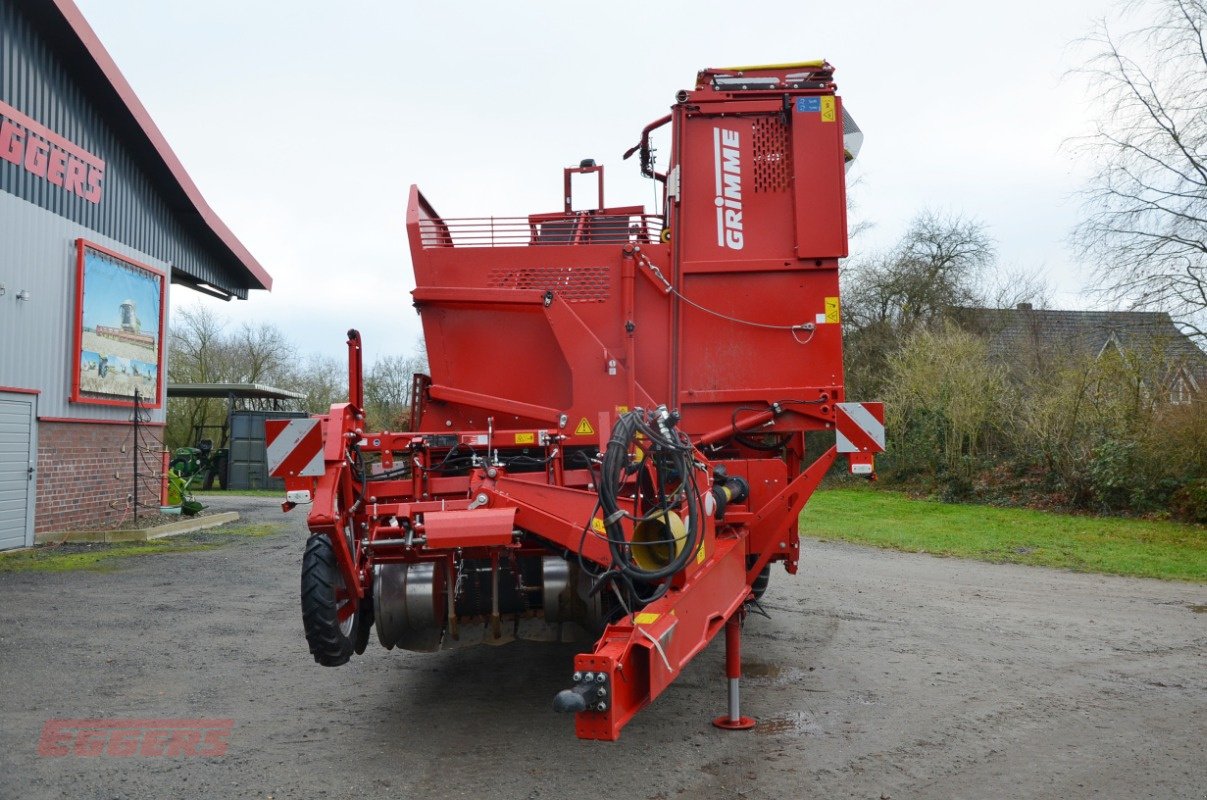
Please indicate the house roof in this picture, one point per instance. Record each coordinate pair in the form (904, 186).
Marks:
(128, 105)
(1014, 331)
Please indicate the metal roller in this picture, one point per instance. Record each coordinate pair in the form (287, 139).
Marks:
(408, 603)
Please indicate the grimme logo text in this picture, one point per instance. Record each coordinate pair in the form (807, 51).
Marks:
(729, 188)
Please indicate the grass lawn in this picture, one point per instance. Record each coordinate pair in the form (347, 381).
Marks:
(1114, 545)
(101, 557)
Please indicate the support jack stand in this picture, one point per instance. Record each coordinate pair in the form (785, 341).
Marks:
(733, 670)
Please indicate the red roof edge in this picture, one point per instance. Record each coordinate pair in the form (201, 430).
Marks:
(107, 66)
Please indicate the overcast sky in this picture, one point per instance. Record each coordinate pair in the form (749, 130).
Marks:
(304, 123)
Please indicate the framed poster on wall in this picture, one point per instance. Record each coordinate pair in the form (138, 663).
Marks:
(119, 329)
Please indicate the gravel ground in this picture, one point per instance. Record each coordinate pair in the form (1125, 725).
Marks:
(879, 675)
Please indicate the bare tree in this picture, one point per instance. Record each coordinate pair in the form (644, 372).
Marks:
(204, 351)
(856, 224)
(388, 391)
(201, 350)
(264, 351)
(938, 264)
(1008, 288)
(322, 379)
(197, 353)
(196, 346)
(1146, 226)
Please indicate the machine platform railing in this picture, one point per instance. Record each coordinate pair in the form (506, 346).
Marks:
(542, 229)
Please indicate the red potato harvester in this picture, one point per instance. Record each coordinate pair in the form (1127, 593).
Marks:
(611, 444)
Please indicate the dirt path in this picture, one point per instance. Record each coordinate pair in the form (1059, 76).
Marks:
(879, 675)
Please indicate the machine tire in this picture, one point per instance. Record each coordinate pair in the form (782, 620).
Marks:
(759, 587)
(363, 627)
(329, 643)
(216, 469)
(223, 467)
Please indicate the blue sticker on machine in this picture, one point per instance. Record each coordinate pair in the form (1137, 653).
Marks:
(804, 104)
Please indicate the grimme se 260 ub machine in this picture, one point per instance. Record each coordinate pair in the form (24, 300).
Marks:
(612, 438)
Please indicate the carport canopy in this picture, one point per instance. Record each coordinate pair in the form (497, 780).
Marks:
(238, 394)
(232, 391)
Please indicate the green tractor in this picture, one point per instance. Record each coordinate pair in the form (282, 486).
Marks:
(203, 462)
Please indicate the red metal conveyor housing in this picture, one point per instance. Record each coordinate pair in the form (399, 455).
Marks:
(611, 445)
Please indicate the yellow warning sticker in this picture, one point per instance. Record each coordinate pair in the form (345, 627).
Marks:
(584, 428)
(833, 310)
(525, 438)
(827, 109)
(622, 409)
(645, 618)
(700, 554)
(597, 525)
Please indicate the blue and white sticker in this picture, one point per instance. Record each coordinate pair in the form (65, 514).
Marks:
(808, 104)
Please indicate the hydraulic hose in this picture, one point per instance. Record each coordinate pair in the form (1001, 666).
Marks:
(662, 450)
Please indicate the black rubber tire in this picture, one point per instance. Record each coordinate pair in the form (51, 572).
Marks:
(221, 470)
(363, 627)
(215, 470)
(759, 587)
(320, 619)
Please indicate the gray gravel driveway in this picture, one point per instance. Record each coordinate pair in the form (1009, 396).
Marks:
(879, 675)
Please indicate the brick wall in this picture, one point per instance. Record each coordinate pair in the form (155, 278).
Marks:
(84, 478)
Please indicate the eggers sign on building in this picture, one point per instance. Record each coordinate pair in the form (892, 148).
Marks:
(47, 155)
(98, 223)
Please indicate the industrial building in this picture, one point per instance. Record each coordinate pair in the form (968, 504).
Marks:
(99, 222)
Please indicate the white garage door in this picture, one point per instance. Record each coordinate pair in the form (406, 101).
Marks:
(18, 456)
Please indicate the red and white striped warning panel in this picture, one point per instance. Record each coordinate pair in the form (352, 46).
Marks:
(295, 447)
(859, 427)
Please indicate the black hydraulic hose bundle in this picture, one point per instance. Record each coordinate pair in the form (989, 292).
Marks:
(781, 441)
(667, 451)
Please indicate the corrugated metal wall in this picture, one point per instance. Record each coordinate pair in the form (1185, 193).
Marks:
(34, 80)
(37, 254)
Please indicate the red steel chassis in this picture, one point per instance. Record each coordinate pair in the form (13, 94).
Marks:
(542, 331)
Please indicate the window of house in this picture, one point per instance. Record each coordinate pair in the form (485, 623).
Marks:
(1179, 391)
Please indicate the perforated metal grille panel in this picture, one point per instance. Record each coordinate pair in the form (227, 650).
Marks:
(572, 284)
(772, 155)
